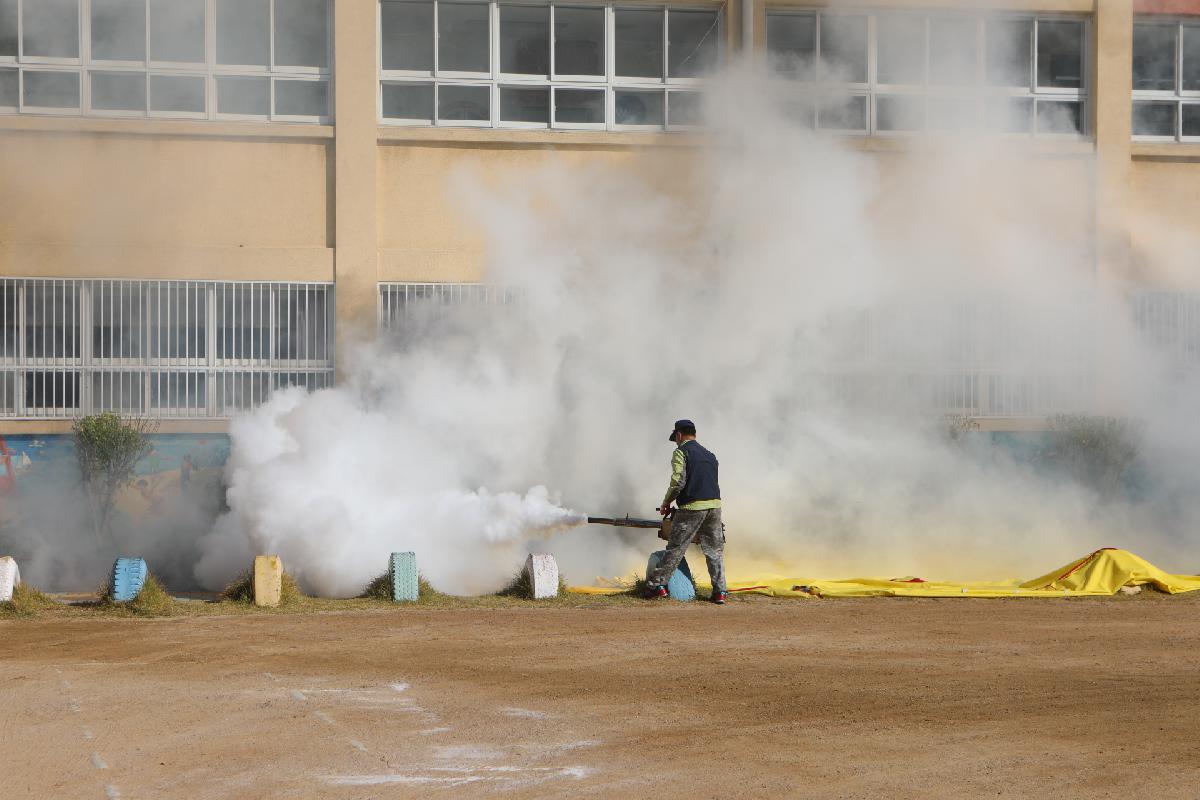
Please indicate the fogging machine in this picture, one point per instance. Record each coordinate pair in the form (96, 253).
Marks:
(663, 526)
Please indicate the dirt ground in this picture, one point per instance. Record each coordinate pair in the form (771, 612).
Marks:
(830, 699)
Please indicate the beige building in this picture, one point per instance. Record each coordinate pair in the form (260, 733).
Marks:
(187, 185)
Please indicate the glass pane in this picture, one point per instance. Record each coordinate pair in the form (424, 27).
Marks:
(800, 111)
(692, 43)
(9, 88)
(639, 107)
(243, 317)
(950, 113)
(901, 48)
(243, 35)
(899, 113)
(407, 36)
(525, 104)
(953, 50)
(1190, 44)
(51, 28)
(52, 89)
(1154, 119)
(579, 106)
(8, 28)
(578, 41)
(301, 33)
(178, 321)
(51, 389)
(1009, 52)
(463, 37)
(301, 98)
(638, 43)
(118, 30)
(1058, 117)
(176, 93)
(1154, 57)
(1060, 55)
(118, 91)
(844, 48)
(792, 44)
(684, 108)
(177, 31)
(1010, 115)
(465, 103)
(525, 40)
(843, 114)
(244, 96)
(408, 101)
(52, 317)
(1191, 120)
(178, 390)
(117, 320)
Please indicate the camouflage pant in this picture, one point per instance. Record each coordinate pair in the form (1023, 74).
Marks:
(687, 526)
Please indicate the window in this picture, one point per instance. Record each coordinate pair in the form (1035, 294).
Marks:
(906, 72)
(1166, 79)
(266, 60)
(158, 347)
(501, 64)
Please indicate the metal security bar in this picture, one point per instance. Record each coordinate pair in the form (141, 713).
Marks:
(398, 301)
(170, 349)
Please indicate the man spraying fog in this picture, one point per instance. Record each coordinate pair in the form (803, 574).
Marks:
(695, 490)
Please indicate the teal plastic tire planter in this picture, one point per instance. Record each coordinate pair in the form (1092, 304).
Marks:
(128, 576)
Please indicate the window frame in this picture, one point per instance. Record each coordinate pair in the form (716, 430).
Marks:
(495, 80)
(1177, 97)
(977, 91)
(209, 70)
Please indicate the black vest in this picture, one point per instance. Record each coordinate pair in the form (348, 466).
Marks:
(699, 476)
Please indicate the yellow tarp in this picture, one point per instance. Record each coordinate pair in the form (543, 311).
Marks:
(1103, 572)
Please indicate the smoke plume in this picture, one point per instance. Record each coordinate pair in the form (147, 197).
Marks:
(814, 304)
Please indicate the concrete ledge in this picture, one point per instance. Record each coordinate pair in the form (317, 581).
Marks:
(1165, 151)
(538, 137)
(161, 262)
(186, 128)
(51, 427)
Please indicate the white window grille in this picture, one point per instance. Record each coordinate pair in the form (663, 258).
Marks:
(569, 65)
(1166, 79)
(398, 301)
(199, 59)
(1169, 322)
(158, 348)
(904, 72)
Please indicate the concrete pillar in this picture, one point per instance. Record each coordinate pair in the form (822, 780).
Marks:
(356, 255)
(1112, 86)
(268, 581)
(1112, 92)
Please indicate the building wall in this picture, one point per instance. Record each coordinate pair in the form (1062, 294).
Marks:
(357, 202)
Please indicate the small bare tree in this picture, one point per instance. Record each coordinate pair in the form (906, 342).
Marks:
(108, 449)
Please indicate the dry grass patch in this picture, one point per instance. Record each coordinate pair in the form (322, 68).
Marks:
(241, 590)
(26, 601)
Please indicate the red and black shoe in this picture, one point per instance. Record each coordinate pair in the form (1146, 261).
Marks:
(654, 592)
(719, 598)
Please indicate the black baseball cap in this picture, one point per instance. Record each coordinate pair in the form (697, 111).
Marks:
(685, 426)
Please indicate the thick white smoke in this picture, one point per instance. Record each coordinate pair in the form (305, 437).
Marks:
(800, 298)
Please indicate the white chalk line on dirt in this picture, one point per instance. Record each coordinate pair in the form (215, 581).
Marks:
(462, 775)
(111, 792)
(523, 712)
(98, 762)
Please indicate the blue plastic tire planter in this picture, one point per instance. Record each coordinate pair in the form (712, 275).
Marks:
(403, 569)
(681, 586)
(128, 576)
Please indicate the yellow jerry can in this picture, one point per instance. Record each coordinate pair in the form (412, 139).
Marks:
(268, 580)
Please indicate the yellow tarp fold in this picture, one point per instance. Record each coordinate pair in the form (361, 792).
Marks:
(1103, 572)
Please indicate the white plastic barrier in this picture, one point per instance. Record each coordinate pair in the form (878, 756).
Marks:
(542, 570)
(10, 576)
